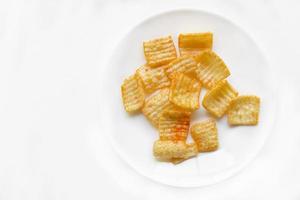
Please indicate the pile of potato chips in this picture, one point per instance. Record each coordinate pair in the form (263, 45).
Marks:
(166, 89)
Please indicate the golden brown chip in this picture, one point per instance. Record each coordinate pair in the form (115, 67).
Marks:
(194, 43)
(156, 104)
(185, 91)
(173, 151)
(132, 94)
(174, 124)
(191, 152)
(184, 64)
(159, 51)
(153, 78)
(211, 69)
(244, 110)
(205, 135)
(217, 100)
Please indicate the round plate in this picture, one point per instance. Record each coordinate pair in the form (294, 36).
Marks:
(133, 136)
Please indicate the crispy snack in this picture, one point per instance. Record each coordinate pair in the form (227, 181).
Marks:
(174, 125)
(217, 100)
(205, 135)
(174, 151)
(184, 64)
(159, 51)
(153, 78)
(244, 110)
(185, 91)
(194, 43)
(191, 152)
(211, 69)
(156, 104)
(132, 94)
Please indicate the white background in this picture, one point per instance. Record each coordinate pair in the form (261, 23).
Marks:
(52, 55)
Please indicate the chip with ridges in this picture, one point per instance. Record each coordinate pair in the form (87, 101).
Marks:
(132, 94)
(185, 91)
(211, 69)
(191, 152)
(205, 135)
(156, 104)
(194, 43)
(174, 124)
(244, 110)
(153, 78)
(173, 151)
(159, 51)
(217, 100)
(184, 64)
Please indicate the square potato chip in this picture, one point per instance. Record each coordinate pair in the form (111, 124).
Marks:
(184, 64)
(217, 100)
(174, 124)
(173, 151)
(211, 69)
(244, 110)
(185, 91)
(205, 135)
(132, 94)
(159, 51)
(156, 104)
(153, 78)
(194, 43)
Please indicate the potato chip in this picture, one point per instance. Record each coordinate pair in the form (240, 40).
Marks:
(185, 91)
(244, 110)
(156, 104)
(184, 64)
(194, 43)
(159, 51)
(153, 78)
(211, 69)
(174, 124)
(132, 94)
(192, 151)
(205, 135)
(217, 100)
(173, 151)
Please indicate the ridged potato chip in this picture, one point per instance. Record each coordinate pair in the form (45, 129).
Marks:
(185, 91)
(194, 43)
(217, 100)
(184, 64)
(205, 135)
(159, 51)
(173, 151)
(211, 69)
(156, 104)
(174, 125)
(192, 151)
(153, 78)
(244, 110)
(132, 94)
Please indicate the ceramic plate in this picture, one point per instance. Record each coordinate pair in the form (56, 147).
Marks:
(133, 136)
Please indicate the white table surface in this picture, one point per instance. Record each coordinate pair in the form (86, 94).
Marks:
(52, 55)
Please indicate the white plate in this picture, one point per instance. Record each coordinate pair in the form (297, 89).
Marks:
(133, 136)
